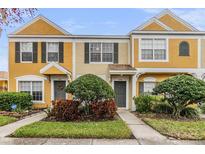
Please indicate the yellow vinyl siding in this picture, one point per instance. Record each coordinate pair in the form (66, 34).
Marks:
(175, 61)
(173, 23)
(153, 27)
(3, 84)
(40, 27)
(21, 69)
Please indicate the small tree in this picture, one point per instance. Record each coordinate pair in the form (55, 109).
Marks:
(181, 91)
(11, 16)
(90, 88)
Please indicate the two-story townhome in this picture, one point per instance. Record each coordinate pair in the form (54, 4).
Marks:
(44, 58)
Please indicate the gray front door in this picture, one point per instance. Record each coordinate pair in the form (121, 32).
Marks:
(120, 91)
(59, 90)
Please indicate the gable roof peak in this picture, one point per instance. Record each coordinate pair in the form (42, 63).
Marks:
(42, 17)
(169, 12)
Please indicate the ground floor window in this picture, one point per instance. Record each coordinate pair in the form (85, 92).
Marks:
(34, 88)
(147, 87)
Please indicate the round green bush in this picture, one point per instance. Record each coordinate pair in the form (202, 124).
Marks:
(202, 108)
(90, 88)
(181, 91)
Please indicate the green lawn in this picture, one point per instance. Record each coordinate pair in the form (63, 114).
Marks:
(194, 130)
(105, 129)
(6, 120)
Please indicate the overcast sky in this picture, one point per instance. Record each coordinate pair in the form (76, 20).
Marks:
(100, 21)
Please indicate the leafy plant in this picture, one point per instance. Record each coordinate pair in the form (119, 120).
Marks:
(65, 110)
(181, 91)
(21, 101)
(143, 103)
(103, 109)
(162, 108)
(190, 113)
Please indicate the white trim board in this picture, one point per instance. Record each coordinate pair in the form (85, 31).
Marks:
(44, 19)
(170, 70)
(154, 20)
(53, 64)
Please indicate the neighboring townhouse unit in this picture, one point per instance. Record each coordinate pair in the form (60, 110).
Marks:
(3, 81)
(44, 58)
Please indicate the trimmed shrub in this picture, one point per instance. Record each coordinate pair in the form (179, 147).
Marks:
(22, 101)
(181, 91)
(190, 113)
(65, 110)
(90, 88)
(143, 103)
(103, 109)
(162, 108)
(69, 110)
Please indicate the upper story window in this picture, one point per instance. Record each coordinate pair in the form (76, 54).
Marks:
(101, 52)
(34, 88)
(184, 49)
(52, 51)
(153, 50)
(26, 49)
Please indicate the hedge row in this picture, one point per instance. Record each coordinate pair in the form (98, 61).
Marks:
(22, 101)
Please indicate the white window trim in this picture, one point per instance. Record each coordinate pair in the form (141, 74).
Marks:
(21, 53)
(54, 52)
(101, 62)
(127, 89)
(153, 60)
(32, 78)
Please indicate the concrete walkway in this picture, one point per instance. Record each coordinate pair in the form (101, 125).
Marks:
(147, 135)
(65, 141)
(10, 128)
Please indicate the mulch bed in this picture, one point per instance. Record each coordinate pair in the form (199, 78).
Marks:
(19, 115)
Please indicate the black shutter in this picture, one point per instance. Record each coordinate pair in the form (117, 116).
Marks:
(35, 52)
(17, 52)
(43, 52)
(115, 53)
(61, 52)
(86, 53)
(141, 85)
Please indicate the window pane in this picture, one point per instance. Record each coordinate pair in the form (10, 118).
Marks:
(159, 44)
(147, 54)
(107, 57)
(37, 90)
(52, 56)
(160, 54)
(95, 52)
(95, 57)
(25, 86)
(107, 51)
(149, 86)
(52, 47)
(26, 56)
(26, 47)
(146, 44)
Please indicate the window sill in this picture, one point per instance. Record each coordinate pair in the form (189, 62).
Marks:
(101, 63)
(165, 61)
(38, 102)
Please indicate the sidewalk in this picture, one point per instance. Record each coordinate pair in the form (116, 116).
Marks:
(143, 133)
(10, 128)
